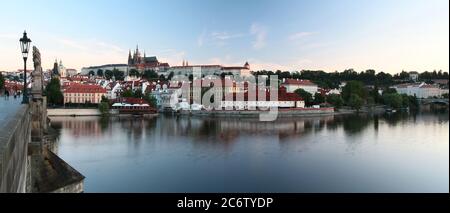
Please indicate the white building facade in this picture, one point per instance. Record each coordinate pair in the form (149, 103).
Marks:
(206, 70)
(121, 67)
(294, 84)
(420, 90)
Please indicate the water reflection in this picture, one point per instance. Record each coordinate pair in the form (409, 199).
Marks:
(227, 130)
(201, 154)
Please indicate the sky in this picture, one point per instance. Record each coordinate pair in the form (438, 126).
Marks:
(328, 35)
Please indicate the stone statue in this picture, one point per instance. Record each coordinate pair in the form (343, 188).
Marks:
(36, 58)
(37, 75)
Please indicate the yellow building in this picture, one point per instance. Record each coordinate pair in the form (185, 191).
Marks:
(81, 93)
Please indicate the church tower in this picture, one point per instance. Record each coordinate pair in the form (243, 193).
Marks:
(247, 65)
(137, 59)
(130, 59)
(55, 70)
(62, 69)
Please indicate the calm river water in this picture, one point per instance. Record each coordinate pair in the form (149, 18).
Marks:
(352, 153)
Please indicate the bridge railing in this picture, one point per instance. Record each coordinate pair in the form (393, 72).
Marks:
(14, 138)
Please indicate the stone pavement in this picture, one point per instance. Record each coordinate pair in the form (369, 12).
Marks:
(8, 108)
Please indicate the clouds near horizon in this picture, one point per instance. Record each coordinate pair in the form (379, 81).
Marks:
(328, 35)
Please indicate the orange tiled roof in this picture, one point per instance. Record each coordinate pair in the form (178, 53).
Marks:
(84, 88)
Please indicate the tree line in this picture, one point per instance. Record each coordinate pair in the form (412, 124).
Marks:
(332, 80)
(355, 95)
(119, 75)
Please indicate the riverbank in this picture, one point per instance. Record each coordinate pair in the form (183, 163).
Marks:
(301, 112)
(255, 113)
(73, 112)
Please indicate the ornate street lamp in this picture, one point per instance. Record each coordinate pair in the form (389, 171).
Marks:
(25, 46)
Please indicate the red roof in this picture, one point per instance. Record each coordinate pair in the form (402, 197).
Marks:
(13, 86)
(299, 82)
(428, 86)
(130, 100)
(84, 88)
(209, 65)
(234, 68)
(282, 95)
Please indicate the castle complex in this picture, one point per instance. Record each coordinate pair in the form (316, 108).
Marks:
(141, 62)
(136, 61)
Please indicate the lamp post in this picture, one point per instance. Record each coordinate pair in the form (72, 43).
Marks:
(25, 46)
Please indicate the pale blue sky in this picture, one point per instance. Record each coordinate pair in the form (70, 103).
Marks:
(273, 34)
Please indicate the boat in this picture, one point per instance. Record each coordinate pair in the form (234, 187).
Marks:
(134, 109)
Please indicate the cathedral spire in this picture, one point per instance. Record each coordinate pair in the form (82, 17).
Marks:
(130, 59)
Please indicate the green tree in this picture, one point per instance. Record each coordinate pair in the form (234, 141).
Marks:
(307, 97)
(353, 88)
(445, 95)
(374, 95)
(335, 100)
(401, 76)
(128, 93)
(355, 102)
(103, 106)
(319, 98)
(2, 81)
(137, 94)
(151, 100)
(405, 100)
(389, 91)
(118, 75)
(91, 73)
(150, 74)
(410, 101)
(171, 74)
(384, 79)
(104, 99)
(393, 100)
(108, 74)
(132, 94)
(53, 92)
(134, 72)
(99, 72)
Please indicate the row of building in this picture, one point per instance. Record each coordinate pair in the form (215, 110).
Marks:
(173, 96)
(420, 90)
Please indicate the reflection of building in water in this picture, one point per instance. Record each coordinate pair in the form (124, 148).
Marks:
(216, 131)
(136, 126)
(288, 125)
(80, 126)
(228, 129)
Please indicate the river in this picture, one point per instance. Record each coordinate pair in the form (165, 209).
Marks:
(346, 153)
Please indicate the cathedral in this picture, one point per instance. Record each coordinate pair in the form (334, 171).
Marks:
(141, 63)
